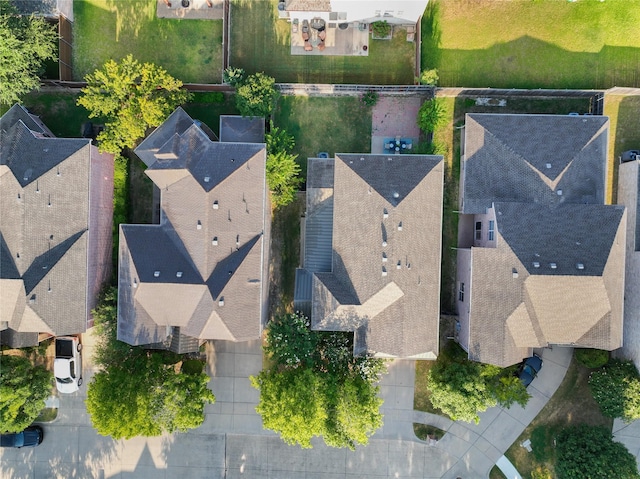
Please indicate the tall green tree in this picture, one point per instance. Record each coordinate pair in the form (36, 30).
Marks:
(138, 392)
(316, 387)
(616, 389)
(283, 177)
(25, 44)
(589, 452)
(131, 97)
(23, 389)
(256, 95)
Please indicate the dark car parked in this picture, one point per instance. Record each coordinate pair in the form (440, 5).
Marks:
(30, 437)
(529, 369)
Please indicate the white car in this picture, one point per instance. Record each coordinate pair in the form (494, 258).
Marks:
(67, 366)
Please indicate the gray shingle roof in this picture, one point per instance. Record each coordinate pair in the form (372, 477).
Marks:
(386, 253)
(44, 220)
(522, 158)
(516, 305)
(202, 269)
(239, 129)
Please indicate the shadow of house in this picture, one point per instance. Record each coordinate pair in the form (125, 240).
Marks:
(56, 209)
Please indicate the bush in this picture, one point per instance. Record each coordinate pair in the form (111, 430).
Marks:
(256, 96)
(541, 472)
(370, 98)
(431, 115)
(429, 77)
(208, 97)
(233, 76)
(192, 366)
(616, 389)
(381, 29)
(592, 358)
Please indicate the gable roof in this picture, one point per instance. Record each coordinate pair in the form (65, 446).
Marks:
(202, 269)
(44, 218)
(546, 159)
(384, 280)
(518, 300)
(240, 129)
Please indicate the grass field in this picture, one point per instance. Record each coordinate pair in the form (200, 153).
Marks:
(533, 44)
(261, 42)
(58, 111)
(624, 134)
(190, 50)
(572, 404)
(334, 125)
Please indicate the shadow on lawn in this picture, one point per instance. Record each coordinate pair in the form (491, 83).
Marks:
(627, 135)
(131, 16)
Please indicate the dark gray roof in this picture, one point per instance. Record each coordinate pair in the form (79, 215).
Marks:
(567, 235)
(385, 268)
(320, 172)
(44, 221)
(201, 270)
(238, 129)
(37, 7)
(14, 339)
(547, 159)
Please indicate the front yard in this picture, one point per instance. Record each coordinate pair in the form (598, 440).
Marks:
(190, 50)
(261, 42)
(524, 44)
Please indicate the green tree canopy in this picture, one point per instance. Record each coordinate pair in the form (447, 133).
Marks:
(131, 97)
(461, 388)
(138, 392)
(25, 44)
(616, 389)
(256, 95)
(590, 452)
(430, 115)
(316, 387)
(23, 389)
(283, 177)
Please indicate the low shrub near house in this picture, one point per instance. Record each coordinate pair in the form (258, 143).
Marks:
(370, 98)
(381, 29)
(592, 358)
(616, 389)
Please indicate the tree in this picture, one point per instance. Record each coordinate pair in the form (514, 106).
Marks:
(23, 389)
(278, 139)
(283, 177)
(233, 76)
(430, 115)
(256, 95)
(616, 389)
(316, 387)
(590, 452)
(138, 392)
(131, 97)
(25, 44)
(461, 388)
(429, 77)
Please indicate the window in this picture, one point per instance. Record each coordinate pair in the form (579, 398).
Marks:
(478, 230)
(461, 292)
(492, 225)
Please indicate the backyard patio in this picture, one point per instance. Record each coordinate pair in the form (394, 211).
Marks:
(339, 39)
(191, 9)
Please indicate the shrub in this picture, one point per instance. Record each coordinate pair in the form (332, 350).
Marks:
(233, 76)
(430, 115)
(208, 97)
(256, 96)
(429, 77)
(541, 472)
(616, 389)
(592, 358)
(381, 29)
(370, 98)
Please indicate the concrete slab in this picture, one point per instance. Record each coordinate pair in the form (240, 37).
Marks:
(440, 422)
(222, 388)
(461, 430)
(247, 365)
(534, 406)
(248, 424)
(243, 454)
(282, 457)
(329, 460)
(503, 432)
(406, 458)
(550, 376)
(64, 450)
(194, 473)
(453, 445)
(369, 460)
(195, 450)
(486, 448)
(243, 391)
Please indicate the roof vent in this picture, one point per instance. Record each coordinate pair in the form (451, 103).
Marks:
(559, 192)
(385, 213)
(514, 273)
(399, 265)
(384, 271)
(580, 265)
(548, 166)
(389, 158)
(396, 194)
(37, 187)
(384, 257)
(135, 283)
(207, 179)
(49, 203)
(215, 205)
(32, 299)
(214, 241)
(362, 158)
(58, 172)
(156, 274)
(536, 264)
(199, 225)
(221, 301)
(179, 274)
(553, 265)
(400, 226)
(384, 243)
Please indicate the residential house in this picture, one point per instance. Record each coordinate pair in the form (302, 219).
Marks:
(398, 12)
(201, 273)
(629, 195)
(540, 257)
(372, 249)
(56, 209)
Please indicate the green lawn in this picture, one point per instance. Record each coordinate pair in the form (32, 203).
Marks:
(190, 50)
(533, 44)
(624, 134)
(312, 122)
(58, 111)
(261, 42)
